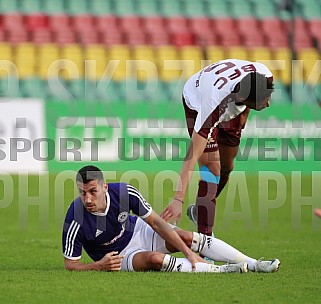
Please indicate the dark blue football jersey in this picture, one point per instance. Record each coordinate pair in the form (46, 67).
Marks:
(100, 233)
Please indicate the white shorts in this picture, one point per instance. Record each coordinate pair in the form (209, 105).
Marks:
(144, 239)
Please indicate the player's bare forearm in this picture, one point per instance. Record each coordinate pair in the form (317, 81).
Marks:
(76, 265)
(173, 211)
(167, 233)
(195, 150)
(110, 262)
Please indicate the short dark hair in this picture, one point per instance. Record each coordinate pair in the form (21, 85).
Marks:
(255, 88)
(89, 173)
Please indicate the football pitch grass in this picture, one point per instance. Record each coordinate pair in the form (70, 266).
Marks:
(31, 262)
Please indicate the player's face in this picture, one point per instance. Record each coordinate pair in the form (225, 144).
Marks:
(93, 195)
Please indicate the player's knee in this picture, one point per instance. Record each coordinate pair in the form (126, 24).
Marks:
(155, 260)
(210, 174)
(187, 237)
(213, 167)
(198, 241)
(227, 169)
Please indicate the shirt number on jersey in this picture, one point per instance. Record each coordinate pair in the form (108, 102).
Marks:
(225, 66)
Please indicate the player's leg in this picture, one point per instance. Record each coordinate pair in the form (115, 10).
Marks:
(209, 164)
(148, 260)
(157, 261)
(228, 142)
(220, 251)
(227, 156)
(148, 251)
(211, 247)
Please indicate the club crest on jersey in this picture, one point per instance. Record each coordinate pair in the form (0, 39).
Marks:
(122, 217)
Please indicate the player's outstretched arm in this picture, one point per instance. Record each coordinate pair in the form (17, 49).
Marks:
(110, 262)
(171, 236)
(173, 211)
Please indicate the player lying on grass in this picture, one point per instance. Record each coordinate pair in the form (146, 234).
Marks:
(99, 221)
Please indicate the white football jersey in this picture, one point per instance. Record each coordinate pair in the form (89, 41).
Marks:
(206, 90)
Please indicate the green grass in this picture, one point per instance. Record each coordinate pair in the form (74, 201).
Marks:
(31, 263)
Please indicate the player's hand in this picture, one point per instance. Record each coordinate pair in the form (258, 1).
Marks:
(199, 259)
(173, 212)
(111, 261)
(194, 258)
(242, 120)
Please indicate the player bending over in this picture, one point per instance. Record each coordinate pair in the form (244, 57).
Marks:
(217, 101)
(99, 221)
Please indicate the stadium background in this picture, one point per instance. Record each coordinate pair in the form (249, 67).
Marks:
(139, 54)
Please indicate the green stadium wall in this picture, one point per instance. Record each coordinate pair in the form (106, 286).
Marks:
(37, 136)
(152, 137)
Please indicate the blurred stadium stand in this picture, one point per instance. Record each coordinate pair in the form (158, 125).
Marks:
(175, 37)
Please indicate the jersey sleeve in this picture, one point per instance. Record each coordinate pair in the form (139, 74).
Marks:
(137, 203)
(71, 238)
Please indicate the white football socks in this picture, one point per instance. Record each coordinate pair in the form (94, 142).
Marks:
(173, 264)
(219, 251)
